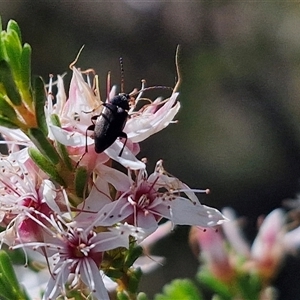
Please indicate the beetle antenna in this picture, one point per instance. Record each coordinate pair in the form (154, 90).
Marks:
(122, 75)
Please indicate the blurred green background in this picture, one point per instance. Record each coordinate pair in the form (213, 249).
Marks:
(239, 126)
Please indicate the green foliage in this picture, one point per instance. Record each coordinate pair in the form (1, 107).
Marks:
(132, 256)
(246, 286)
(180, 289)
(215, 285)
(62, 150)
(46, 148)
(25, 71)
(9, 84)
(6, 109)
(39, 104)
(81, 177)
(46, 165)
(6, 122)
(250, 286)
(9, 285)
(15, 62)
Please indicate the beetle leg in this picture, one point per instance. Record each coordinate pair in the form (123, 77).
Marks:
(123, 135)
(92, 128)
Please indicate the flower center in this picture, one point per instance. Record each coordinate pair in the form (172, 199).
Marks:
(143, 201)
(77, 249)
(144, 195)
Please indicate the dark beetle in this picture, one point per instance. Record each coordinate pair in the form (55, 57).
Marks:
(109, 125)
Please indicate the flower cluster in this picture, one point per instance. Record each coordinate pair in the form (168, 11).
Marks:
(240, 269)
(70, 204)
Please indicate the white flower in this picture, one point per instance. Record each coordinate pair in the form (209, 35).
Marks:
(24, 195)
(76, 253)
(152, 119)
(144, 201)
(75, 116)
(270, 246)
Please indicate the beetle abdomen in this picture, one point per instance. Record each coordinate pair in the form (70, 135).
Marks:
(109, 126)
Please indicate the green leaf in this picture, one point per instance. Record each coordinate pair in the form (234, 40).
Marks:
(46, 165)
(81, 177)
(12, 25)
(111, 273)
(249, 285)
(179, 289)
(43, 144)
(6, 122)
(1, 42)
(132, 256)
(7, 270)
(6, 109)
(134, 280)
(39, 103)
(7, 78)
(9, 285)
(25, 71)
(13, 52)
(6, 293)
(206, 278)
(62, 150)
(122, 296)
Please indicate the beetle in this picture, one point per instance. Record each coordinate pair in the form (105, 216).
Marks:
(109, 125)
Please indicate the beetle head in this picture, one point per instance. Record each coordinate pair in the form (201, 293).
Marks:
(121, 100)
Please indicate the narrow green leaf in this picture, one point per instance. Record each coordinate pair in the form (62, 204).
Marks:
(215, 285)
(134, 280)
(7, 270)
(6, 122)
(2, 49)
(111, 273)
(132, 256)
(9, 280)
(7, 78)
(39, 103)
(122, 296)
(118, 263)
(47, 166)
(1, 42)
(6, 109)
(24, 294)
(25, 71)
(179, 289)
(62, 150)
(12, 25)
(81, 176)
(43, 144)
(13, 52)
(249, 285)
(6, 293)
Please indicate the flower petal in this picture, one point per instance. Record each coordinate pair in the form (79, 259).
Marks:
(186, 213)
(69, 138)
(142, 126)
(128, 160)
(234, 235)
(90, 275)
